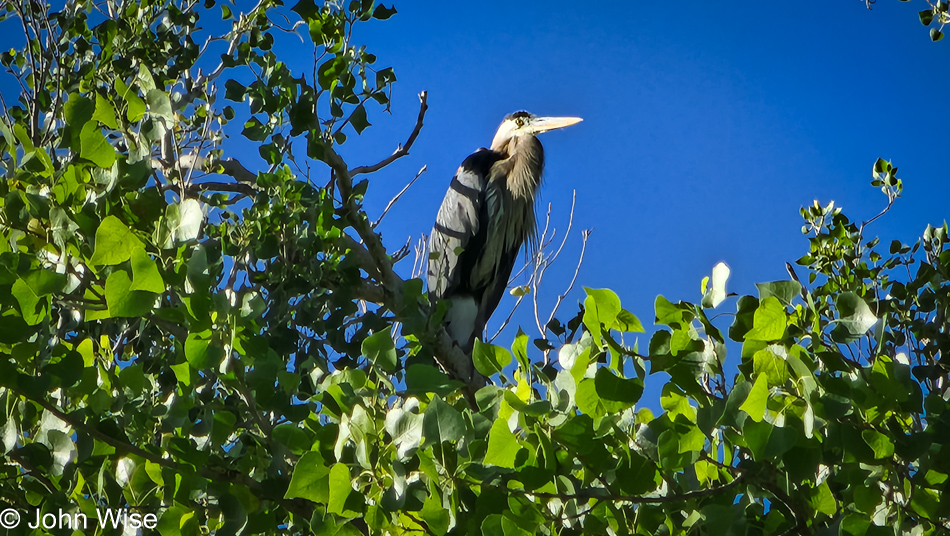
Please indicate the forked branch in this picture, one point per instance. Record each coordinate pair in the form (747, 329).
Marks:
(401, 150)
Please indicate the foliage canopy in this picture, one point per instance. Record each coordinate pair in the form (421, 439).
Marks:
(233, 351)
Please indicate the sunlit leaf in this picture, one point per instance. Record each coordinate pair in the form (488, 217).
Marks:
(114, 242)
(502, 446)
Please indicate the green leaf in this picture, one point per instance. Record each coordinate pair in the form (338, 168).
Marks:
(668, 314)
(122, 301)
(587, 400)
(382, 12)
(114, 242)
(758, 397)
(178, 521)
(379, 349)
(340, 491)
(520, 350)
(93, 146)
(772, 367)
(145, 275)
(105, 113)
(769, 321)
(882, 445)
(490, 359)
(512, 526)
(254, 130)
(600, 308)
(503, 446)
(625, 392)
(442, 423)
(28, 301)
(160, 105)
(201, 352)
(767, 441)
(310, 479)
(234, 91)
(926, 16)
(19, 131)
(854, 317)
(234, 515)
(406, 430)
(44, 282)
(637, 475)
(291, 436)
(823, 501)
(306, 9)
(935, 34)
(421, 379)
(136, 106)
(78, 110)
(628, 322)
(435, 515)
(855, 524)
(358, 119)
(785, 291)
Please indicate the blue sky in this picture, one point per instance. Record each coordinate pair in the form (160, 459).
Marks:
(706, 127)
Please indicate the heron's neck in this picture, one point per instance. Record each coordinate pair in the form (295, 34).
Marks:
(526, 158)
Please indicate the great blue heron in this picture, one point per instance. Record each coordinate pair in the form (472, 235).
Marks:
(486, 216)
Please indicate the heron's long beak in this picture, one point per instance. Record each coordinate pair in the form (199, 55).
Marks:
(544, 124)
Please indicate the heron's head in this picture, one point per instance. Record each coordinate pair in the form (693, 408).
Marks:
(526, 124)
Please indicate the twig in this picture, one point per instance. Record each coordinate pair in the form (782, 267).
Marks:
(397, 196)
(401, 150)
(591, 493)
(545, 263)
(585, 234)
(421, 260)
(507, 319)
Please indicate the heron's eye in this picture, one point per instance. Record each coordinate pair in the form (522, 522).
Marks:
(520, 121)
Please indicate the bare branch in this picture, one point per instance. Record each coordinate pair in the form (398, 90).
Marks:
(198, 85)
(401, 150)
(585, 234)
(508, 318)
(229, 166)
(545, 263)
(363, 258)
(399, 195)
(422, 258)
(402, 252)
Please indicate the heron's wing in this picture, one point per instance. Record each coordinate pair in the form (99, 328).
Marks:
(460, 226)
(507, 219)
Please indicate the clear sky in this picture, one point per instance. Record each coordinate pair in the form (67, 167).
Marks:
(706, 127)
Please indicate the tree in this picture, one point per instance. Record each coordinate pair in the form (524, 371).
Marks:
(232, 350)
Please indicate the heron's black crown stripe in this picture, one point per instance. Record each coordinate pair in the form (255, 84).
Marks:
(518, 114)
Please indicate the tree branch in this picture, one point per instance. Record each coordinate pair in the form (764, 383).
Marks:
(594, 493)
(399, 195)
(401, 150)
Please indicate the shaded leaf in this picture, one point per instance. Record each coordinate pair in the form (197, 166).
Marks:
(122, 300)
(379, 349)
(442, 423)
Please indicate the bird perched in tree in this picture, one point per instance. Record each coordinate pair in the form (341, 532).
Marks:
(486, 216)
